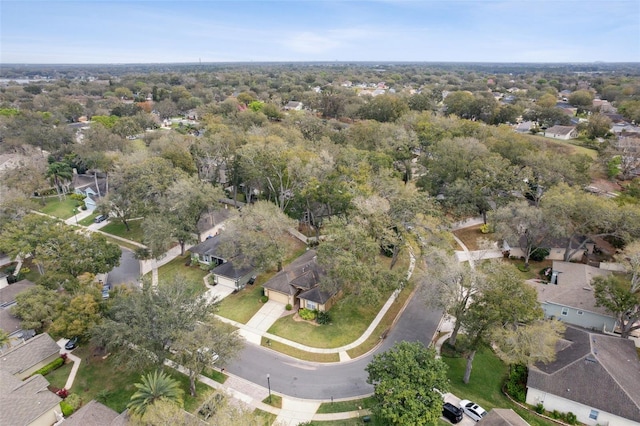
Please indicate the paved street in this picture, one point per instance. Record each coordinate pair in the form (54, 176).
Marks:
(127, 273)
(303, 379)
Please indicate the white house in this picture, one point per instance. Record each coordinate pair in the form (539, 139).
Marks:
(594, 376)
(561, 132)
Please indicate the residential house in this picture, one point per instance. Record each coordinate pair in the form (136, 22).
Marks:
(26, 358)
(502, 417)
(27, 402)
(603, 106)
(225, 271)
(9, 322)
(298, 284)
(525, 126)
(234, 273)
(556, 247)
(594, 376)
(562, 132)
(93, 413)
(293, 106)
(90, 186)
(569, 296)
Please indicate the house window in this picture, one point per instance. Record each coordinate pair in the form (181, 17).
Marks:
(311, 305)
(593, 415)
(565, 311)
(580, 312)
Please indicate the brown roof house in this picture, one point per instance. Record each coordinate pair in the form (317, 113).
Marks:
(594, 376)
(561, 132)
(93, 413)
(570, 298)
(27, 402)
(298, 284)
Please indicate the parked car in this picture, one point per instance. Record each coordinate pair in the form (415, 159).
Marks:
(451, 413)
(71, 343)
(472, 409)
(252, 280)
(105, 291)
(101, 218)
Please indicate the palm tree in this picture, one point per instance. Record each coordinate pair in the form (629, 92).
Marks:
(58, 173)
(154, 386)
(4, 339)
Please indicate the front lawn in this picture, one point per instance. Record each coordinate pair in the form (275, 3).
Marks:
(117, 228)
(485, 383)
(177, 267)
(58, 377)
(345, 406)
(471, 237)
(62, 209)
(243, 305)
(88, 220)
(349, 320)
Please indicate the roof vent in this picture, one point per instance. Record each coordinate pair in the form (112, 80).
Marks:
(590, 359)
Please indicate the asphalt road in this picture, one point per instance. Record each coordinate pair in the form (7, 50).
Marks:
(127, 273)
(307, 380)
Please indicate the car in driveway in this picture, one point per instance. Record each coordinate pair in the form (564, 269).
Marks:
(451, 413)
(472, 409)
(101, 218)
(105, 291)
(71, 343)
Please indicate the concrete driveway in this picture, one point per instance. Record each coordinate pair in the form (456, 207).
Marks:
(262, 321)
(466, 420)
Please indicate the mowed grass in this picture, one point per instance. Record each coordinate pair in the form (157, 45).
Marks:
(471, 237)
(62, 209)
(177, 268)
(345, 406)
(243, 305)
(349, 320)
(58, 377)
(485, 384)
(110, 383)
(298, 353)
(117, 228)
(88, 220)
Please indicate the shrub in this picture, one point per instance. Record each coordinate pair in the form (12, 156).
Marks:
(487, 228)
(288, 307)
(517, 382)
(539, 408)
(74, 401)
(323, 318)
(539, 254)
(307, 314)
(264, 299)
(571, 418)
(56, 363)
(62, 393)
(67, 409)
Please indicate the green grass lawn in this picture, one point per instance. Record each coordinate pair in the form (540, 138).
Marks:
(177, 267)
(485, 384)
(349, 320)
(58, 377)
(344, 406)
(62, 209)
(298, 353)
(113, 385)
(244, 304)
(117, 228)
(88, 220)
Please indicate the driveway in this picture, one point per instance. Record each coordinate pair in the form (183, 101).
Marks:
(127, 273)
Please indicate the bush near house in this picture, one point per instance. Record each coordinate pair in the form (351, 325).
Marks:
(307, 314)
(56, 363)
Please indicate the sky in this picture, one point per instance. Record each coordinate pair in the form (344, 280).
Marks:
(146, 31)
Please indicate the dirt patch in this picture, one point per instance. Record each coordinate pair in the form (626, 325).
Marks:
(605, 185)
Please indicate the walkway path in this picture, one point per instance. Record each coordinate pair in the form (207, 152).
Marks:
(76, 363)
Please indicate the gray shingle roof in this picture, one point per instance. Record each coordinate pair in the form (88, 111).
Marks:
(316, 295)
(92, 414)
(25, 355)
(573, 288)
(596, 370)
(22, 402)
(208, 246)
(303, 273)
(8, 294)
(232, 270)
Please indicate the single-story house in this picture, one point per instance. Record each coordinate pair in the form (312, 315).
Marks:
(525, 126)
(9, 322)
(502, 417)
(234, 273)
(92, 413)
(561, 132)
(206, 252)
(26, 358)
(594, 376)
(569, 296)
(293, 106)
(298, 284)
(556, 247)
(27, 402)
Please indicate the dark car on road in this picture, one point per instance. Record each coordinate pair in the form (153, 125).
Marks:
(101, 218)
(71, 344)
(451, 413)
